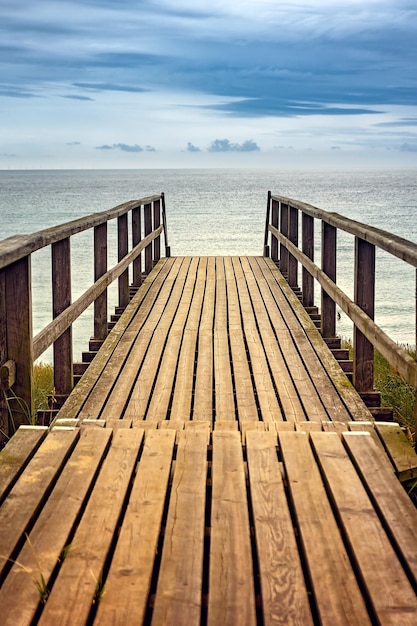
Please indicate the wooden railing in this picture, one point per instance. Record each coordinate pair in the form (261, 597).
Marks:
(18, 348)
(285, 219)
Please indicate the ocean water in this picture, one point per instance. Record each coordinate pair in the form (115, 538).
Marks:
(215, 212)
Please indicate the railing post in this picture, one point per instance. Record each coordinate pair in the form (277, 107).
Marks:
(148, 230)
(307, 225)
(122, 249)
(100, 268)
(164, 222)
(364, 287)
(283, 252)
(293, 237)
(266, 236)
(156, 224)
(136, 238)
(274, 222)
(4, 420)
(16, 338)
(61, 299)
(328, 306)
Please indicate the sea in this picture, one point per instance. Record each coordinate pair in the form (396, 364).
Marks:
(216, 212)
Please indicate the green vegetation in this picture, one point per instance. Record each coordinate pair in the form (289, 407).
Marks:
(43, 385)
(394, 391)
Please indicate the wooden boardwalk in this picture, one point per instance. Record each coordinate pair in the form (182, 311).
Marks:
(213, 466)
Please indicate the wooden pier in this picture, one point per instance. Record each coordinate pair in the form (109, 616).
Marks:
(214, 465)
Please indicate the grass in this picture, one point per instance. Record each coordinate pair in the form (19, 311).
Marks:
(43, 385)
(394, 391)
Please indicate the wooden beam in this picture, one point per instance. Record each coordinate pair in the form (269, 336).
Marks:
(328, 306)
(100, 268)
(61, 300)
(364, 287)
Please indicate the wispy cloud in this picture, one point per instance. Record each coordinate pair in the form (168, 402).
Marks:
(192, 148)
(124, 147)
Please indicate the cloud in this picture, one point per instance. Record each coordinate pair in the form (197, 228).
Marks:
(124, 147)
(406, 147)
(73, 143)
(111, 87)
(225, 145)
(192, 148)
(79, 98)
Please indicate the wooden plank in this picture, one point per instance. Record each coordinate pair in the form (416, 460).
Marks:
(337, 596)
(251, 425)
(114, 424)
(370, 547)
(48, 540)
(307, 427)
(267, 397)
(223, 384)
(389, 498)
(131, 348)
(80, 577)
(399, 450)
(182, 400)
(283, 590)
(61, 299)
(17, 453)
(162, 392)
(231, 588)
(364, 293)
(97, 369)
(203, 392)
(141, 392)
(180, 578)
(319, 393)
(288, 396)
(245, 398)
(19, 510)
(345, 389)
(129, 578)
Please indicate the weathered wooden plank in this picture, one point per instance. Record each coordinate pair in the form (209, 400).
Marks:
(145, 380)
(181, 407)
(336, 592)
(379, 566)
(345, 389)
(24, 501)
(180, 578)
(159, 404)
(79, 580)
(203, 392)
(97, 370)
(288, 396)
(283, 590)
(223, 383)
(399, 450)
(391, 500)
(128, 582)
(245, 397)
(29, 578)
(231, 588)
(267, 397)
(131, 347)
(17, 453)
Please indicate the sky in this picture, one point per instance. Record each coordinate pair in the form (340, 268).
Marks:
(219, 83)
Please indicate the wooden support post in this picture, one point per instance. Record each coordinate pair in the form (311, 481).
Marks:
(164, 222)
(283, 252)
(136, 238)
(293, 237)
(415, 390)
(266, 235)
(274, 222)
(308, 249)
(148, 230)
(17, 335)
(328, 306)
(122, 250)
(100, 268)
(363, 367)
(4, 422)
(61, 299)
(156, 224)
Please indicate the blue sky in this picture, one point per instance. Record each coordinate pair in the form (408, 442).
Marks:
(183, 83)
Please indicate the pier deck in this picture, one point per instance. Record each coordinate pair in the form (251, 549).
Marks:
(214, 465)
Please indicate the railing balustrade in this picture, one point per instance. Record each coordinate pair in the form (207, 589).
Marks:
(18, 348)
(281, 243)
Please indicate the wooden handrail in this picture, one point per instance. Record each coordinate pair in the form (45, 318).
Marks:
(367, 334)
(16, 337)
